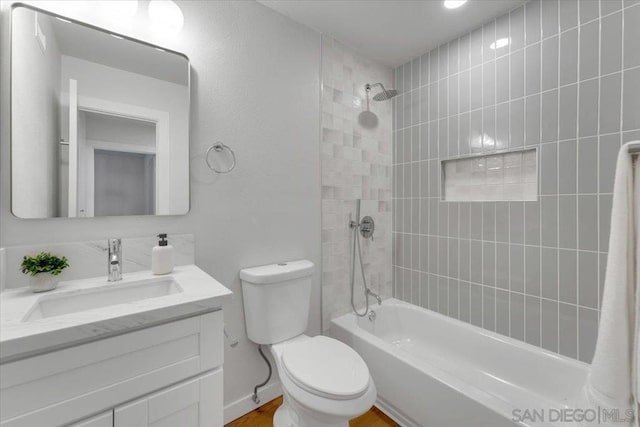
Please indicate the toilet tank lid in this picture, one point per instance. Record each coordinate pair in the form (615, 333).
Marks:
(280, 272)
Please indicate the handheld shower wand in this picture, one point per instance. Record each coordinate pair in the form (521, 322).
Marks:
(366, 228)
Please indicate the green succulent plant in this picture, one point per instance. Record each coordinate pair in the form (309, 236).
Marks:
(44, 262)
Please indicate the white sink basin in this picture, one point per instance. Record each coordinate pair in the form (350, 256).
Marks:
(103, 296)
(84, 310)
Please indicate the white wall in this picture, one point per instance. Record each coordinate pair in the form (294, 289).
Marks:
(36, 107)
(255, 86)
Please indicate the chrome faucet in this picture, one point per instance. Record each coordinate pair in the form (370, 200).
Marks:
(114, 260)
(376, 296)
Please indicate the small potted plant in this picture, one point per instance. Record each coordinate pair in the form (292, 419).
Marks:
(44, 269)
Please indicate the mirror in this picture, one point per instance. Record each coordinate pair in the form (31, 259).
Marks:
(99, 122)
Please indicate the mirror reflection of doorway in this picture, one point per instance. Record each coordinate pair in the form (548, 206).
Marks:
(124, 183)
(116, 165)
(74, 89)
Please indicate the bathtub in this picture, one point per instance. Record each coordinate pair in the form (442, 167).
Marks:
(434, 371)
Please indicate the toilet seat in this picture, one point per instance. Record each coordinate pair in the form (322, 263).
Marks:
(326, 367)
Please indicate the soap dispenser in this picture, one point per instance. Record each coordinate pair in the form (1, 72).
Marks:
(162, 256)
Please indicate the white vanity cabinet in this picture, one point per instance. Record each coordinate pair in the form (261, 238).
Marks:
(164, 375)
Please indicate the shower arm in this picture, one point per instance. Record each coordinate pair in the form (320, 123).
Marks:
(368, 86)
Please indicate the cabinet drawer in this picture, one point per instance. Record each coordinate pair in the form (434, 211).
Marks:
(66, 385)
(193, 403)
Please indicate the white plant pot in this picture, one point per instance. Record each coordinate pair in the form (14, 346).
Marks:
(43, 282)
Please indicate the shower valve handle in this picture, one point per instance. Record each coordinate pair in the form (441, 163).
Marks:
(367, 227)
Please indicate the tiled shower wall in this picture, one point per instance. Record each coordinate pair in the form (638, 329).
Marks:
(356, 164)
(567, 84)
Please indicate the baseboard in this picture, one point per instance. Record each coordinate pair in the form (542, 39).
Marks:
(244, 405)
(396, 416)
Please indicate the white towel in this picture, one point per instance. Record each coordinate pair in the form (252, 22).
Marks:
(612, 381)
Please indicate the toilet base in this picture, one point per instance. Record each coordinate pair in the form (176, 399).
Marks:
(282, 417)
(286, 417)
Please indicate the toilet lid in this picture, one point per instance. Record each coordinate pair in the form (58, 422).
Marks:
(325, 366)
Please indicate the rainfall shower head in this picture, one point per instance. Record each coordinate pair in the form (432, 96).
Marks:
(384, 95)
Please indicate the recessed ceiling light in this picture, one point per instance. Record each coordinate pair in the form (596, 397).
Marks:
(115, 36)
(454, 4)
(63, 20)
(499, 43)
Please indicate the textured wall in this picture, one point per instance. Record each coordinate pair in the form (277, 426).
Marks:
(356, 164)
(255, 86)
(568, 84)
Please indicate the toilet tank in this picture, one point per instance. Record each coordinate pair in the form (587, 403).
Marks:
(276, 300)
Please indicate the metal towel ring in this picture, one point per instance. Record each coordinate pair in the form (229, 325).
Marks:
(219, 147)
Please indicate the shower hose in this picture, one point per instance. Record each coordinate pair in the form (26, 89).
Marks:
(356, 244)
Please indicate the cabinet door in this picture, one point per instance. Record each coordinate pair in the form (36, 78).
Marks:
(73, 383)
(193, 403)
(103, 420)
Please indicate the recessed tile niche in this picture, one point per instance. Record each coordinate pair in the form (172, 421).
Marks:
(496, 177)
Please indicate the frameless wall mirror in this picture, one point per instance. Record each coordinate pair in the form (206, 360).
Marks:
(99, 122)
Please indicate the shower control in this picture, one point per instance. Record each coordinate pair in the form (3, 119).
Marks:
(367, 227)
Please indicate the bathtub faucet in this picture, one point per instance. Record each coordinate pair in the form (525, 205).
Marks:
(376, 296)
(115, 260)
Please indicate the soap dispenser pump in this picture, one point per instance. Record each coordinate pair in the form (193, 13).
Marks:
(162, 256)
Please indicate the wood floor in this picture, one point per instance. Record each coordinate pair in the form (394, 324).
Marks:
(263, 417)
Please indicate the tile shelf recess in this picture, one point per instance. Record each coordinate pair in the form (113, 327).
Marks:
(507, 176)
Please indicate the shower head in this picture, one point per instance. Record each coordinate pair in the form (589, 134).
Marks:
(384, 95)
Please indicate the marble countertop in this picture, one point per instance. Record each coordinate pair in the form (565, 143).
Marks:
(18, 338)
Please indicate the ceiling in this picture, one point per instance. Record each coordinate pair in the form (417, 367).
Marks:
(391, 31)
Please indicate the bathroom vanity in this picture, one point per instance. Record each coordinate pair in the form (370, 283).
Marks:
(147, 350)
(109, 117)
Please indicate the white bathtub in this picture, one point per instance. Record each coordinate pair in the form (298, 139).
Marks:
(434, 371)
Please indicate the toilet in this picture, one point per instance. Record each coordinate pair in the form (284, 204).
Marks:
(324, 381)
